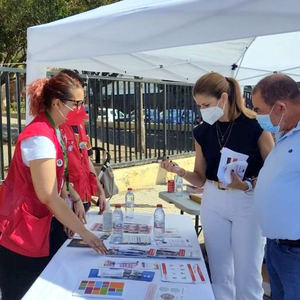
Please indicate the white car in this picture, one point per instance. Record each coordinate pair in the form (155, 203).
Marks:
(109, 115)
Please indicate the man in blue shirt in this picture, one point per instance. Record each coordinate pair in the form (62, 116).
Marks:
(276, 99)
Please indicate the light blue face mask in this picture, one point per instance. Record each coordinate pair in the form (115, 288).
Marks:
(266, 124)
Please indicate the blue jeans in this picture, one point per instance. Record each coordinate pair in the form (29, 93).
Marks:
(283, 265)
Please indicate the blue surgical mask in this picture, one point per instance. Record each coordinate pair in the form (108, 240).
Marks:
(266, 124)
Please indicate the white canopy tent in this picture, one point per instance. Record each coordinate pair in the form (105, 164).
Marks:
(173, 39)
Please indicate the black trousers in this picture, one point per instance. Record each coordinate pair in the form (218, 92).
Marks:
(18, 272)
(57, 236)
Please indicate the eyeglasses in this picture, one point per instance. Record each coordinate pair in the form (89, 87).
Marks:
(77, 103)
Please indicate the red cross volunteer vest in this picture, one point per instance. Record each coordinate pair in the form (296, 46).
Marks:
(84, 182)
(24, 220)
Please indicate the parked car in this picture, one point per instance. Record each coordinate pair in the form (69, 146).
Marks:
(109, 114)
(179, 116)
(150, 115)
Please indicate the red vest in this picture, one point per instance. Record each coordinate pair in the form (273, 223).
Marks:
(24, 220)
(84, 182)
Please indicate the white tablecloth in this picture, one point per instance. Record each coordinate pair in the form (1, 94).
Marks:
(70, 265)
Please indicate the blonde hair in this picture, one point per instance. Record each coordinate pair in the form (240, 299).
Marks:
(214, 84)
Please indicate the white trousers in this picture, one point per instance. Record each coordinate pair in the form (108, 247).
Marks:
(234, 243)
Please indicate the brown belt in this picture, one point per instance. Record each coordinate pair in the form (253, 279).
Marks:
(290, 243)
(219, 185)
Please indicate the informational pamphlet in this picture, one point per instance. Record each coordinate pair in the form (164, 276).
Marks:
(181, 272)
(169, 293)
(132, 239)
(127, 228)
(99, 289)
(122, 273)
(231, 161)
(129, 264)
(121, 251)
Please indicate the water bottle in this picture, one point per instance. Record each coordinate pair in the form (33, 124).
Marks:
(178, 183)
(159, 222)
(129, 204)
(117, 224)
(107, 218)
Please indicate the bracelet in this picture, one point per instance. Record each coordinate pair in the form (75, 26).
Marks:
(74, 201)
(249, 183)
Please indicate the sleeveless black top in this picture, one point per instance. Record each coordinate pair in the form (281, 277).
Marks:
(243, 138)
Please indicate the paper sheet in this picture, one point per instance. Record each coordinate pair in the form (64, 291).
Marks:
(231, 160)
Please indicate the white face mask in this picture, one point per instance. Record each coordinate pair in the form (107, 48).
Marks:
(212, 114)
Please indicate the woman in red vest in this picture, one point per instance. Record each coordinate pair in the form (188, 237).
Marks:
(82, 173)
(31, 193)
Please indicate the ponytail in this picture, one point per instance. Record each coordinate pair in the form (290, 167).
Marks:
(35, 93)
(236, 101)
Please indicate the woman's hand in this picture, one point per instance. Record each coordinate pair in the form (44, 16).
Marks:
(237, 183)
(170, 166)
(94, 242)
(101, 198)
(79, 210)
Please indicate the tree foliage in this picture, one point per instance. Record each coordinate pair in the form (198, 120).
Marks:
(17, 15)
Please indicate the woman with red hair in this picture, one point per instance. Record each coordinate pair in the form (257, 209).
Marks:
(32, 191)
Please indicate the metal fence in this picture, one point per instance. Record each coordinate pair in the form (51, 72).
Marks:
(138, 120)
(12, 107)
(135, 120)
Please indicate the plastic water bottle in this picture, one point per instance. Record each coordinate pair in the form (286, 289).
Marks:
(178, 183)
(117, 218)
(129, 204)
(107, 218)
(159, 222)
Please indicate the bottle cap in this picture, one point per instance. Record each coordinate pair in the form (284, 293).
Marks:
(129, 189)
(118, 206)
(159, 205)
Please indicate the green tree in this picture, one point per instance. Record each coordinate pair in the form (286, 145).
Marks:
(17, 15)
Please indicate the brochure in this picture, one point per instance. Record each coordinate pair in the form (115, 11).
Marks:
(231, 161)
(127, 228)
(179, 272)
(99, 289)
(122, 273)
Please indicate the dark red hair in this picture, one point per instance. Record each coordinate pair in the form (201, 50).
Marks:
(42, 91)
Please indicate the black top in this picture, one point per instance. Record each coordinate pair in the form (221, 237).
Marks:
(242, 137)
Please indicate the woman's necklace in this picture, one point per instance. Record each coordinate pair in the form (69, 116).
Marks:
(223, 137)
